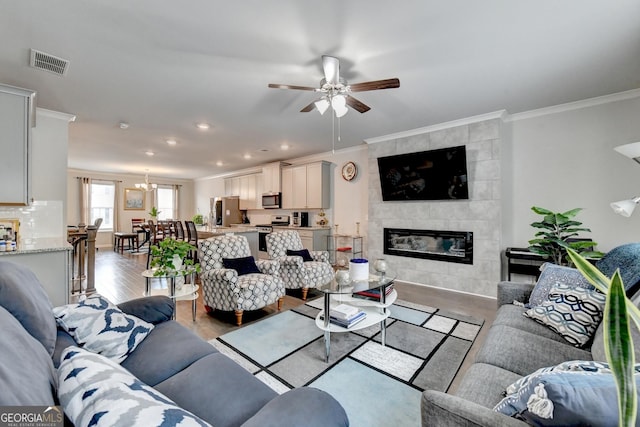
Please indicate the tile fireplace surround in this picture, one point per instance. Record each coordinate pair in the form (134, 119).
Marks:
(481, 214)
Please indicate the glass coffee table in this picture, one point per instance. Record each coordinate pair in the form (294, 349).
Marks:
(376, 310)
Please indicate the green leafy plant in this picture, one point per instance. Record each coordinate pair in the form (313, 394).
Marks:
(154, 212)
(618, 344)
(163, 255)
(556, 230)
(198, 219)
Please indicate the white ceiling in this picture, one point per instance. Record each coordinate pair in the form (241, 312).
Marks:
(164, 65)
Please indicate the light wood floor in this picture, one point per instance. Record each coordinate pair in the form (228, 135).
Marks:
(118, 278)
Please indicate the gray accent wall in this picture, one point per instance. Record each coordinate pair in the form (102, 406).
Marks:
(480, 214)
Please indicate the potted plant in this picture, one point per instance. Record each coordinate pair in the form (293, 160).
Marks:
(170, 256)
(556, 233)
(154, 212)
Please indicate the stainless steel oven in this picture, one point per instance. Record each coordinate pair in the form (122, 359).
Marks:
(264, 229)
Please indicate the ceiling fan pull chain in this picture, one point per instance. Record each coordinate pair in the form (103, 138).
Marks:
(333, 134)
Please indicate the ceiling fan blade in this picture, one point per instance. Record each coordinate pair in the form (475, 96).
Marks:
(375, 85)
(357, 105)
(331, 67)
(276, 86)
(309, 107)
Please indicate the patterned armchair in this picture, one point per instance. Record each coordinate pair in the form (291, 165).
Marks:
(224, 289)
(295, 272)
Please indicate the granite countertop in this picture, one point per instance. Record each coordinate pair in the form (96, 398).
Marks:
(43, 244)
(290, 227)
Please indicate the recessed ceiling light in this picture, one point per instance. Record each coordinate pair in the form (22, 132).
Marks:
(171, 141)
(284, 146)
(149, 153)
(247, 156)
(203, 126)
(124, 125)
(219, 163)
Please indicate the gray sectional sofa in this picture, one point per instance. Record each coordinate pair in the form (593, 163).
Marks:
(171, 359)
(515, 346)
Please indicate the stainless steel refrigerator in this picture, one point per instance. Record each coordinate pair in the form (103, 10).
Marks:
(225, 211)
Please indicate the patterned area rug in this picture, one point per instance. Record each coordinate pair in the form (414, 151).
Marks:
(377, 386)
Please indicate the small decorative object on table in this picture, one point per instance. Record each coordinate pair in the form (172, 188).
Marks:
(323, 219)
(380, 265)
(169, 256)
(359, 269)
(342, 277)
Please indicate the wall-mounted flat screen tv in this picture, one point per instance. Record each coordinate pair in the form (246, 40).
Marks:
(427, 175)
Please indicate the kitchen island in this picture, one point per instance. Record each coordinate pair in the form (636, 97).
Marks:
(48, 258)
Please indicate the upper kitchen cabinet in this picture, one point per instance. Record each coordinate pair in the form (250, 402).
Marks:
(245, 187)
(17, 116)
(306, 186)
(272, 177)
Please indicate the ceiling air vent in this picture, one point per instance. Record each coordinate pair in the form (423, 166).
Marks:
(50, 63)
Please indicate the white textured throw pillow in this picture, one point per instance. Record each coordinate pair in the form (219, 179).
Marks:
(95, 391)
(99, 326)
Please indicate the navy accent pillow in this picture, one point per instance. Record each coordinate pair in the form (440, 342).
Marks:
(304, 253)
(627, 259)
(246, 265)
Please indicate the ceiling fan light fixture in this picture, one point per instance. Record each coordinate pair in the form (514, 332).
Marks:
(322, 105)
(339, 105)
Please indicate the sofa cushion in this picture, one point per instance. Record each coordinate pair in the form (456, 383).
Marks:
(24, 297)
(553, 274)
(101, 327)
(485, 384)
(153, 309)
(522, 352)
(565, 398)
(218, 390)
(574, 313)
(96, 391)
(244, 265)
(513, 315)
(27, 375)
(167, 350)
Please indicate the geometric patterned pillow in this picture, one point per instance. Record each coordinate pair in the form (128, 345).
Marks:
(94, 391)
(574, 313)
(99, 326)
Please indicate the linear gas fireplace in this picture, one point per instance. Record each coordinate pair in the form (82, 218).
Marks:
(451, 246)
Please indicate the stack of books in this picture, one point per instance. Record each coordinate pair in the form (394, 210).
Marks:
(346, 315)
(373, 294)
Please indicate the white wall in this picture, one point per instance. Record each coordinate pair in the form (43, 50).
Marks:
(104, 238)
(563, 158)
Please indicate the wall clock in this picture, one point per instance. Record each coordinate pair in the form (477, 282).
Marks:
(349, 171)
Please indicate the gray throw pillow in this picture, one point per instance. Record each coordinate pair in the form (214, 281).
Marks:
(27, 375)
(22, 294)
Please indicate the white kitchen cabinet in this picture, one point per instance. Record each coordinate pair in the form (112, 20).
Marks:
(17, 116)
(245, 187)
(306, 186)
(272, 177)
(313, 239)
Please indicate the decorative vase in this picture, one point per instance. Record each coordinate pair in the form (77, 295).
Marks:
(380, 265)
(342, 277)
(359, 269)
(177, 266)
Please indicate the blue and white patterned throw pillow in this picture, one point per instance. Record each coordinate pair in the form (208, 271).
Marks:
(94, 391)
(551, 275)
(565, 398)
(99, 326)
(574, 313)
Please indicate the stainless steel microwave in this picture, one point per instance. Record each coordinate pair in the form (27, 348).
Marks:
(272, 200)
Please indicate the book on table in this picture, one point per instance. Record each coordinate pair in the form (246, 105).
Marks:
(343, 311)
(373, 294)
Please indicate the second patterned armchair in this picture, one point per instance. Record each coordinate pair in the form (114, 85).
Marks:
(244, 284)
(296, 272)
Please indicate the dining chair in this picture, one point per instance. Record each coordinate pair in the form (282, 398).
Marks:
(192, 238)
(179, 230)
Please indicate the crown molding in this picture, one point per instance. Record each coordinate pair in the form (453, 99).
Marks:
(56, 114)
(576, 105)
(501, 114)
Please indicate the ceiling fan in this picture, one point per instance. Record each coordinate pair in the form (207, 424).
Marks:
(336, 92)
